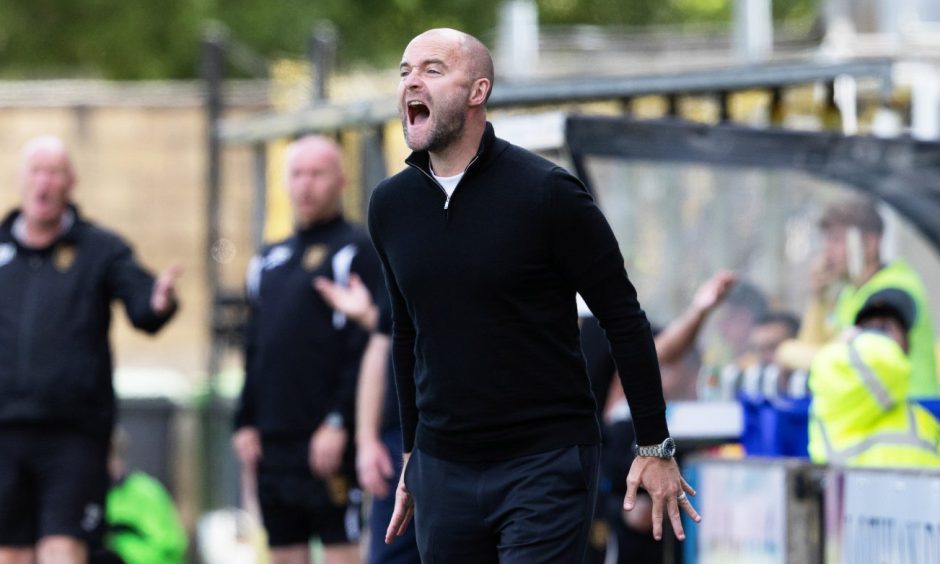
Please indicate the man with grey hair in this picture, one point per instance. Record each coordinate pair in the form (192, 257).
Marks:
(485, 246)
(293, 427)
(59, 274)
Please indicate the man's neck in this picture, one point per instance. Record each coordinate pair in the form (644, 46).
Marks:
(40, 234)
(870, 270)
(456, 157)
(317, 221)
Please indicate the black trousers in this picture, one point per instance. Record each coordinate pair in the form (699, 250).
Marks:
(532, 509)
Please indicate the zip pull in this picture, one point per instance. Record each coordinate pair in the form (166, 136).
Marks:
(447, 203)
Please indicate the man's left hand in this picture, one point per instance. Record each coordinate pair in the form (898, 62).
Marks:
(327, 446)
(667, 488)
(163, 297)
(352, 300)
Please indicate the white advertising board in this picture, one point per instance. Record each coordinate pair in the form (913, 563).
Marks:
(891, 517)
(744, 513)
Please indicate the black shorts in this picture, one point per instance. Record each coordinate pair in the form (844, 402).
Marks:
(52, 482)
(296, 505)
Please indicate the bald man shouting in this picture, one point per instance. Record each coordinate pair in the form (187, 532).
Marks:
(59, 275)
(484, 247)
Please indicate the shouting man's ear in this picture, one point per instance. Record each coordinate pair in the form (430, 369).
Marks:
(479, 90)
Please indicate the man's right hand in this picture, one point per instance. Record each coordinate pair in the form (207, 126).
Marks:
(823, 276)
(247, 444)
(714, 291)
(404, 507)
(374, 467)
(163, 297)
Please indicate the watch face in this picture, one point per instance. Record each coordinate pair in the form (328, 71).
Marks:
(669, 447)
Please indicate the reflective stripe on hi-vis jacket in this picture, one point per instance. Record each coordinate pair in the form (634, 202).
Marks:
(908, 439)
(860, 415)
(899, 275)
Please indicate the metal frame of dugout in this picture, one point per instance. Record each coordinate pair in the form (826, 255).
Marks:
(785, 509)
(902, 172)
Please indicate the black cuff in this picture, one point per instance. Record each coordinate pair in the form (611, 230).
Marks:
(651, 429)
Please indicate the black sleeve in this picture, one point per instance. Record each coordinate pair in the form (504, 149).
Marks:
(588, 254)
(354, 338)
(384, 325)
(129, 282)
(403, 341)
(369, 268)
(343, 401)
(599, 361)
(245, 409)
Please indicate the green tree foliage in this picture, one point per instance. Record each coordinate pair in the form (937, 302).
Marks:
(148, 39)
(110, 38)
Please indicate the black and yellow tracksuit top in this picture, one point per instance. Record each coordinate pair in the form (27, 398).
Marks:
(55, 314)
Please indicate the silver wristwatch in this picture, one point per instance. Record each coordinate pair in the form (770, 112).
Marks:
(334, 419)
(666, 449)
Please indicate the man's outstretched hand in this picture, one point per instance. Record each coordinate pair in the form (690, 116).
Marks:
(163, 298)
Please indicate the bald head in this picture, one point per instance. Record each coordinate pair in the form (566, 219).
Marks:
(47, 180)
(320, 145)
(446, 80)
(315, 179)
(47, 145)
(471, 51)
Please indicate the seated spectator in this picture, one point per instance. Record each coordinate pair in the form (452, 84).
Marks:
(735, 319)
(860, 414)
(764, 376)
(679, 358)
(773, 328)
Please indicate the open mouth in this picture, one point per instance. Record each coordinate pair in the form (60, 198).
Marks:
(418, 112)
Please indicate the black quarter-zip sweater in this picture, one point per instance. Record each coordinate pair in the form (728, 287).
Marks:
(485, 333)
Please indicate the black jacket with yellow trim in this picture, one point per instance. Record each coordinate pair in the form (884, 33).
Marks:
(55, 315)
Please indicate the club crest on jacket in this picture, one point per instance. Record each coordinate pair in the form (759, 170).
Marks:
(313, 257)
(64, 257)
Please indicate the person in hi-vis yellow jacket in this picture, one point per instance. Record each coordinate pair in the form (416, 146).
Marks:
(860, 414)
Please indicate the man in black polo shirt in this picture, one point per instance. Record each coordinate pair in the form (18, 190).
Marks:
(294, 421)
(484, 247)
